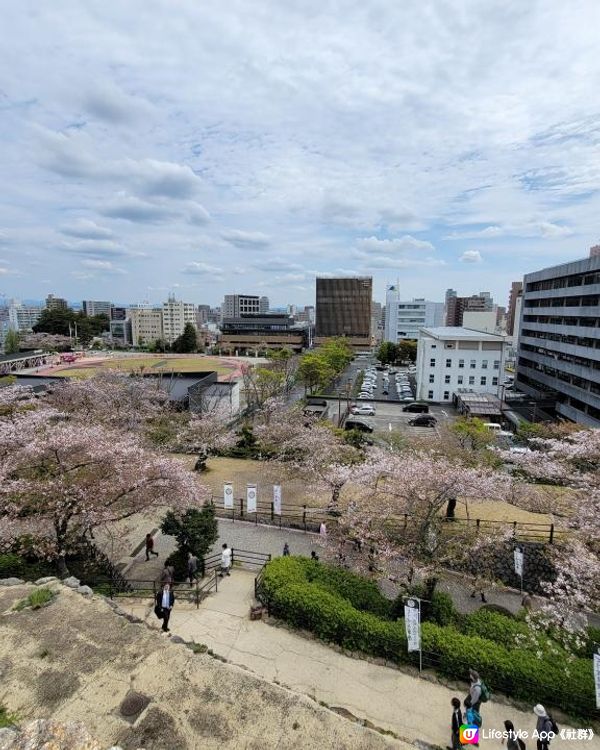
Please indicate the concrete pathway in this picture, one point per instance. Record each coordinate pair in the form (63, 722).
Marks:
(412, 707)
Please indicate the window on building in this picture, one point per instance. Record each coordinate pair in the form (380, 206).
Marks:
(473, 364)
(432, 378)
(471, 379)
(461, 364)
(447, 379)
(432, 363)
(494, 381)
(446, 395)
(484, 364)
(460, 379)
(434, 346)
(496, 364)
(448, 363)
(429, 394)
(483, 381)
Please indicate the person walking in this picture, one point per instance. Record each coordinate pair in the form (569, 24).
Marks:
(165, 599)
(168, 574)
(192, 567)
(286, 550)
(455, 723)
(546, 727)
(225, 561)
(150, 547)
(473, 700)
(513, 742)
(314, 556)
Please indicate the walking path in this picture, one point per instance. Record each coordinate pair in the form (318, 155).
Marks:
(413, 708)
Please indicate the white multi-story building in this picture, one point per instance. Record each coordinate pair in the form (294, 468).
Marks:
(481, 320)
(236, 305)
(453, 359)
(405, 319)
(93, 307)
(175, 315)
(146, 324)
(23, 317)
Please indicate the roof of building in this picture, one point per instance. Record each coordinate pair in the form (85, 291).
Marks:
(458, 332)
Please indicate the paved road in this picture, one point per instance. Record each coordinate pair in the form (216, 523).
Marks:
(239, 535)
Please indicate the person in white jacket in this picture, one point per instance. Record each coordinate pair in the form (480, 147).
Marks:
(225, 561)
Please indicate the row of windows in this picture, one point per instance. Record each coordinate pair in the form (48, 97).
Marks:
(593, 364)
(586, 300)
(460, 380)
(446, 395)
(562, 338)
(563, 282)
(472, 364)
(557, 320)
(563, 398)
(564, 377)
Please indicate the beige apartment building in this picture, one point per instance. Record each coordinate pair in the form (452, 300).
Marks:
(175, 315)
(146, 324)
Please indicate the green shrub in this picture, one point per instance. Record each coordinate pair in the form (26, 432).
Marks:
(11, 565)
(440, 610)
(321, 599)
(6, 719)
(36, 600)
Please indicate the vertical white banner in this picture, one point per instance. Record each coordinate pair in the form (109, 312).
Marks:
(251, 498)
(412, 623)
(518, 562)
(227, 495)
(277, 499)
(597, 677)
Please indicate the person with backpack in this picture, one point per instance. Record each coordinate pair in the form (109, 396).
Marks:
(546, 728)
(472, 716)
(478, 691)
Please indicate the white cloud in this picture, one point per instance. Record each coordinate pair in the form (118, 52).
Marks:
(398, 245)
(102, 265)
(243, 239)
(95, 248)
(199, 267)
(471, 256)
(86, 229)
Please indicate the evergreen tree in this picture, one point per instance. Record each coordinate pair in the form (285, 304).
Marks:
(188, 341)
(11, 342)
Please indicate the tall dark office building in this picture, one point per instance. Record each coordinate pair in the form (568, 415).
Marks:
(344, 309)
(559, 339)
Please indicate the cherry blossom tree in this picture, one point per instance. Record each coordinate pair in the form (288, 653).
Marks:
(397, 511)
(62, 478)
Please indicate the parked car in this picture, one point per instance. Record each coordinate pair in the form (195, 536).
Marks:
(358, 424)
(407, 398)
(364, 409)
(424, 420)
(417, 408)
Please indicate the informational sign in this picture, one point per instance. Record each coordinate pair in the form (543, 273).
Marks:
(519, 562)
(277, 499)
(412, 623)
(251, 498)
(597, 676)
(227, 495)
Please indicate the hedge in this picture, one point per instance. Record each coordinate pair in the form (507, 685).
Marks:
(322, 599)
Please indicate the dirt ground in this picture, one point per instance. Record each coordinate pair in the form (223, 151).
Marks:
(76, 660)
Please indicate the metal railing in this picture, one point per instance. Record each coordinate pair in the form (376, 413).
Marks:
(309, 520)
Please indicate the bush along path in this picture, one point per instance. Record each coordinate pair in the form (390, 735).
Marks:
(349, 610)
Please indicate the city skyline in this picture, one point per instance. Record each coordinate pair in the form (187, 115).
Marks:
(210, 150)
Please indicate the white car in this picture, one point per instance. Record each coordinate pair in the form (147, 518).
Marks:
(367, 410)
(406, 398)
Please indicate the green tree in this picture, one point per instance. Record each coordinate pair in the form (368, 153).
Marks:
(55, 321)
(315, 372)
(387, 353)
(195, 530)
(11, 342)
(406, 351)
(337, 353)
(472, 433)
(188, 341)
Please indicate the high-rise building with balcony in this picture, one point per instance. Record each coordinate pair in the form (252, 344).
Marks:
(559, 338)
(405, 318)
(175, 315)
(56, 303)
(235, 305)
(95, 307)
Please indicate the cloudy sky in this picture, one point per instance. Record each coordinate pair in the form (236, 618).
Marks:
(199, 148)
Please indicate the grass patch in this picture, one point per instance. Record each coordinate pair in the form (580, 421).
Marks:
(36, 600)
(199, 648)
(6, 719)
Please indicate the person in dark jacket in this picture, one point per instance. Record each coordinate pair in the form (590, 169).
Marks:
(165, 599)
(456, 721)
(544, 727)
(286, 550)
(150, 547)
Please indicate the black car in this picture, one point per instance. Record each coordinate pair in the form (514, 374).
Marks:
(358, 424)
(417, 408)
(424, 420)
